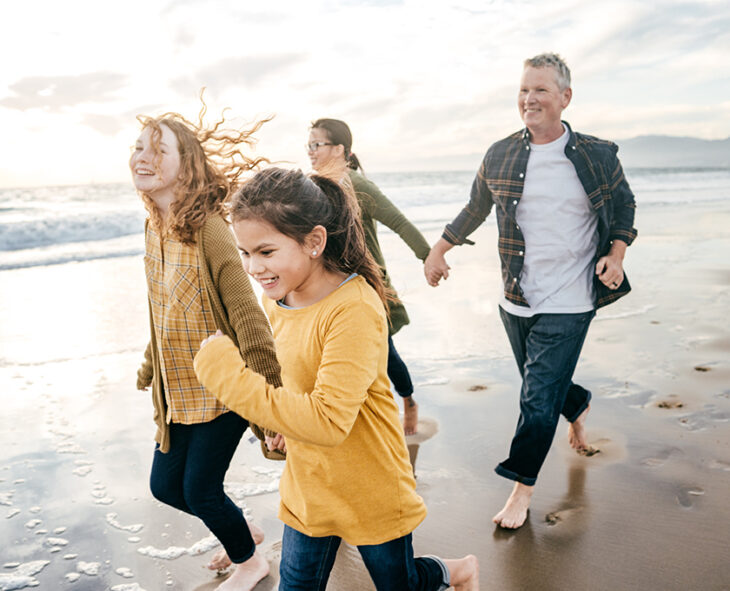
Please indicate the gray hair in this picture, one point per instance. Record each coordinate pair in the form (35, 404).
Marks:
(554, 61)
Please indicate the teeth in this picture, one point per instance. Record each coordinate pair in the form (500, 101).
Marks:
(267, 281)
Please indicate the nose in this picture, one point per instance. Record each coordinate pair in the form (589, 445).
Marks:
(253, 265)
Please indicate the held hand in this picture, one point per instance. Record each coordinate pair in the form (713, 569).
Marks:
(435, 267)
(276, 442)
(609, 268)
(207, 340)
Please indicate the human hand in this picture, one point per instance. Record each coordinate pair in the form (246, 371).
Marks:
(609, 268)
(218, 334)
(276, 442)
(435, 266)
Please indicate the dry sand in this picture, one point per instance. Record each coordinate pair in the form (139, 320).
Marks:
(649, 511)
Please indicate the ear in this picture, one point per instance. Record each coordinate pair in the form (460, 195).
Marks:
(339, 150)
(315, 241)
(567, 95)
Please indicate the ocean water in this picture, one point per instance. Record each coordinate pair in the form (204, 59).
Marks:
(55, 225)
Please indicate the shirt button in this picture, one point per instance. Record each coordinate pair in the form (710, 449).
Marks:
(522, 252)
(514, 280)
(573, 147)
(527, 147)
(522, 175)
(514, 202)
(517, 227)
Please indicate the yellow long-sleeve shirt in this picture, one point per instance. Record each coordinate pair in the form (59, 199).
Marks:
(347, 471)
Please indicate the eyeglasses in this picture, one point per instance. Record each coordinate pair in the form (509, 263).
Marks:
(313, 146)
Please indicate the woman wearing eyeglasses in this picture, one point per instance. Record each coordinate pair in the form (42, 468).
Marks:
(330, 147)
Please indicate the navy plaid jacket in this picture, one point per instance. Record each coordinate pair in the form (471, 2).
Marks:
(500, 181)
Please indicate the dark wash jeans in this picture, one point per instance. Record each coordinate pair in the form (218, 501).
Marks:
(546, 348)
(306, 563)
(190, 478)
(398, 372)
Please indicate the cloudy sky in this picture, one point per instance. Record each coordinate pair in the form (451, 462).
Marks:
(424, 84)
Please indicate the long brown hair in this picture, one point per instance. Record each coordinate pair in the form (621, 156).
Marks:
(295, 203)
(211, 168)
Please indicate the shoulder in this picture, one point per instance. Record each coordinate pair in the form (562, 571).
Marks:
(595, 146)
(357, 297)
(362, 184)
(215, 233)
(501, 147)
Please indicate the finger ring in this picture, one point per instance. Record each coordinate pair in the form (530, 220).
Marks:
(614, 284)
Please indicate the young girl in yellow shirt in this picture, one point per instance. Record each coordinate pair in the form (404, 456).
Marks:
(347, 474)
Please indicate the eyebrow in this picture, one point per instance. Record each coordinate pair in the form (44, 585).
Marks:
(258, 248)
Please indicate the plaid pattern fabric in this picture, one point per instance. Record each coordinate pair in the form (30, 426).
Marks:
(182, 319)
(500, 181)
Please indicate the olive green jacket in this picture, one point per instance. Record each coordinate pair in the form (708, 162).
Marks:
(376, 207)
(236, 312)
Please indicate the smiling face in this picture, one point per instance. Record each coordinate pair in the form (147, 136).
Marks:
(325, 153)
(284, 268)
(541, 103)
(155, 173)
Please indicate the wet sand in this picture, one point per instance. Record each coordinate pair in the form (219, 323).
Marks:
(648, 511)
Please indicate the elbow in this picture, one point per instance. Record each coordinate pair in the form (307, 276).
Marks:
(331, 437)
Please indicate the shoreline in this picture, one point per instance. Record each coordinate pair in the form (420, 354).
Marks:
(647, 512)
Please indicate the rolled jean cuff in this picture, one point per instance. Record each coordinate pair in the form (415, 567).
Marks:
(502, 471)
(445, 575)
(580, 409)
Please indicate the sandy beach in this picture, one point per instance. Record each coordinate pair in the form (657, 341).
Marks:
(649, 511)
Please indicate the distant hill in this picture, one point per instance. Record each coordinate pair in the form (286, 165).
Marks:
(667, 150)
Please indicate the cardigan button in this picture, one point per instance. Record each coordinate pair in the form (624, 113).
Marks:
(522, 175)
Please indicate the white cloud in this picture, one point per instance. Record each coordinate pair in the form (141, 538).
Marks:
(415, 80)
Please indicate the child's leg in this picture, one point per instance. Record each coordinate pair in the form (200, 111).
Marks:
(168, 469)
(393, 567)
(210, 450)
(306, 562)
(401, 378)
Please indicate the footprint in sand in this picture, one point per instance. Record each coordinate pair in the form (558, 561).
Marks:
(564, 517)
(661, 458)
(670, 402)
(477, 388)
(719, 465)
(685, 497)
(702, 368)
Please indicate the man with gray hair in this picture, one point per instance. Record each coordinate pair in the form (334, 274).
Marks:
(565, 216)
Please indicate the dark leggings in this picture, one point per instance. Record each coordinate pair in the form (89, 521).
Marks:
(190, 478)
(398, 372)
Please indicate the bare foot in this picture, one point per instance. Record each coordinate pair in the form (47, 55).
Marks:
(577, 431)
(464, 573)
(246, 575)
(410, 415)
(514, 512)
(220, 560)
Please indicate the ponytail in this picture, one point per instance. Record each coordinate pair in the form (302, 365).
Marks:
(354, 163)
(295, 203)
(346, 249)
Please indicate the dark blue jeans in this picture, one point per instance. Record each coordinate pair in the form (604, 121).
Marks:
(306, 563)
(546, 348)
(190, 478)
(398, 372)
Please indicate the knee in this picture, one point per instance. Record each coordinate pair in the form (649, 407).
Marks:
(203, 500)
(166, 491)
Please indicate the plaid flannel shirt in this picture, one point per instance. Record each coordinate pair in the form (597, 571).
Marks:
(500, 181)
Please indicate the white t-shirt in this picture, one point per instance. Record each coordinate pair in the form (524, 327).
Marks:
(559, 227)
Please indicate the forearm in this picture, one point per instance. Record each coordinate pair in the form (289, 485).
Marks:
(308, 417)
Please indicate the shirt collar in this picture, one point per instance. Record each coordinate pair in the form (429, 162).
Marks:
(571, 136)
